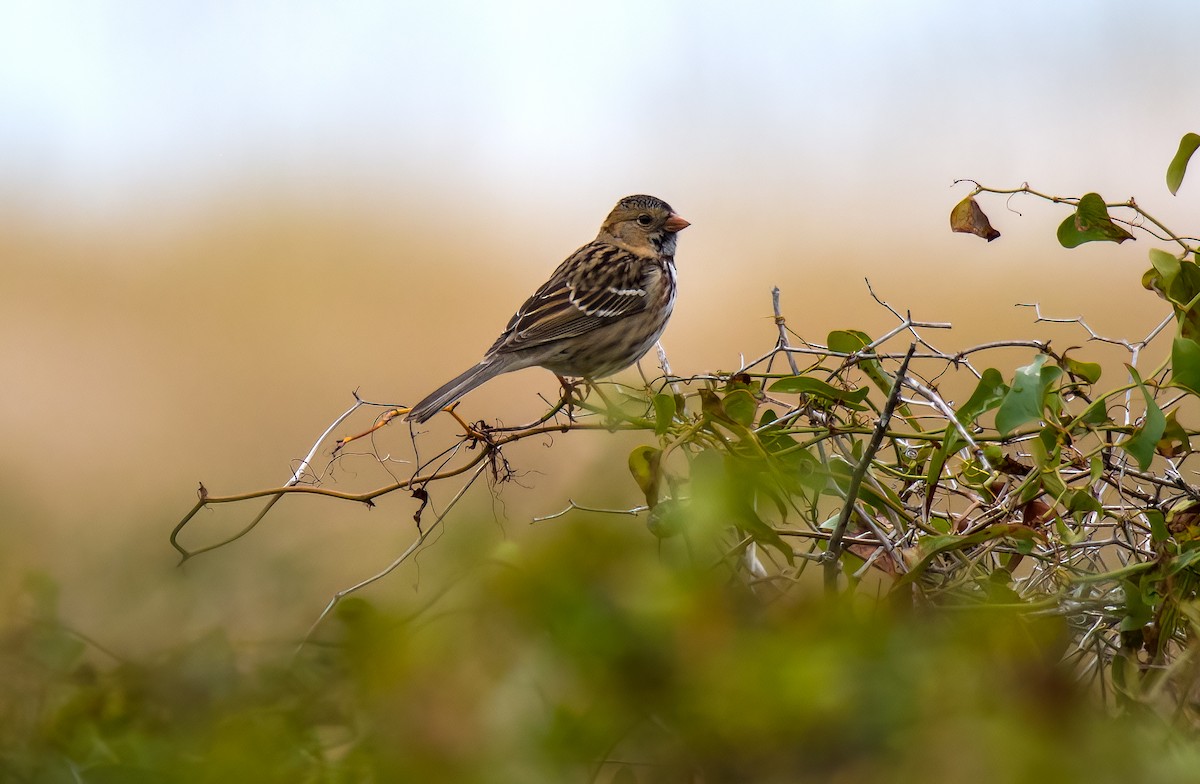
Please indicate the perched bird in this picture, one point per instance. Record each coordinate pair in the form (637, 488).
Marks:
(601, 310)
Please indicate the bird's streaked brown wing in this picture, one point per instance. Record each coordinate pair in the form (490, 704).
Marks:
(596, 285)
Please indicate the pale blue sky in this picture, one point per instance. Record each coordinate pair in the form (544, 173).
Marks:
(104, 103)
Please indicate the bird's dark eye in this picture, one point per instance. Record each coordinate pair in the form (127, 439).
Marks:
(644, 219)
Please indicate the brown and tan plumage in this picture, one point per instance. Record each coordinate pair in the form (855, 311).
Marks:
(600, 311)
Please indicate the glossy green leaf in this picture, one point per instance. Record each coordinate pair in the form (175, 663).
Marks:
(1167, 264)
(851, 398)
(847, 341)
(1049, 442)
(988, 394)
(850, 341)
(1141, 444)
(1178, 282)
(1088, 371)
(1179, 164)
(1025, 399)
(1090, 223)
(1168, 278)
(1185, 365)
(664, 413)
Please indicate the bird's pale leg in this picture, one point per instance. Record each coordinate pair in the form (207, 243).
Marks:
(568, 395)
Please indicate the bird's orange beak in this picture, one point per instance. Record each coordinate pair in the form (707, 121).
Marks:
(675, 223)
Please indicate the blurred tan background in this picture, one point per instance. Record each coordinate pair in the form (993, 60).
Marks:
(216, 221)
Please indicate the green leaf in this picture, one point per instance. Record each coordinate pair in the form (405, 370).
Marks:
(932, 546)
(1129, 570)
(1178, 282)
(1175, 440)
(667, 519)
(664, 413)
(988, 394)
(713, 408)
(1054, 484)
(850, 341)
(1168, 279)
(1026, 398)
(740, 405)
(1183, 561)
(879, 498)
(1141, 444)
(774, 441)
(1158, 525)
(1096, 413)
(847, 341)
(1139, 608)
(1083, 501)
(1088, 371)
(933, 474)
(1179, 164)
(643, 465)
(1166, 264)
(1185, 365)
(761, 532)
(851, 398)
(1090, 223)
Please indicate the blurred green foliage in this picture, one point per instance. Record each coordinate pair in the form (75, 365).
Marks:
(584, 657)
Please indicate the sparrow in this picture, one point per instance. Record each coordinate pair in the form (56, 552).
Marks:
(600, 311)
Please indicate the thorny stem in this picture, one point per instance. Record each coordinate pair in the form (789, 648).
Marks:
(900, 500)
(834, 552)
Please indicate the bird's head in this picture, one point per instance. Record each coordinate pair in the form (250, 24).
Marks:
(643, 224)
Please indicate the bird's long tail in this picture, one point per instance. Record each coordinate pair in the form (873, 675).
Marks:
(457, 387)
